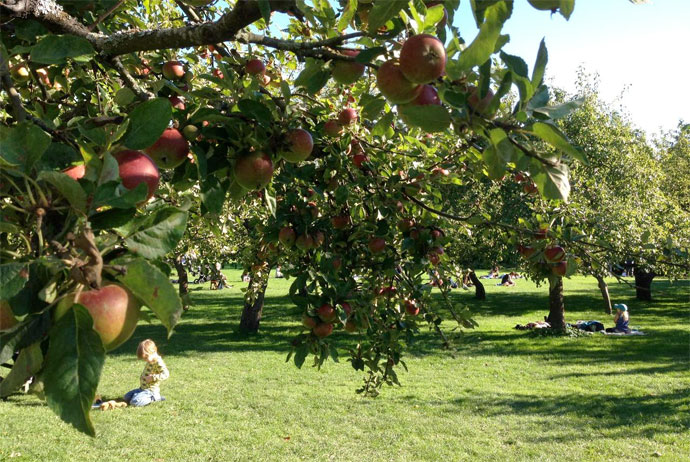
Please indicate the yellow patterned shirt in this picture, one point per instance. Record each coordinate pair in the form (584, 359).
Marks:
(157, 370)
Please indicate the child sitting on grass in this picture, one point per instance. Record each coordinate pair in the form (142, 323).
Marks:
(621, 319)
(154, 373)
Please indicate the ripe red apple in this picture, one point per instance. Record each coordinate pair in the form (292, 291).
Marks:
(347, 116)
(304, 242)
(541, 233)
(319, 238)
(332, 128)
(437, 234)
(479, 105)
(7, 319)
(114, 310)
(359, 159)
(255, 67)
(337, 263)
(170, 150)
(405, 224)
(559, 268)
(554, 254)
(323, 330)
(437, 172)
(434, 258)
(340, 222)
(346, 307)
(308, 322)
(526, 251)
(177, 102)
(173, 70)
(428, 96)
(254, 170)
(520, 177)
(326, 312)
(300, 144)
(287, 236)
(393, 85)
(422, 58)
(377, 245)
(530, 188)
(77, 172)
(347, 72)
(135, 168)
(411, 308)
(218, 73)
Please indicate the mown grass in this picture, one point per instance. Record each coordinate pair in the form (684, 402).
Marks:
(503, 396)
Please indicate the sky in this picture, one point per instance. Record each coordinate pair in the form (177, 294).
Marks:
(639, 52)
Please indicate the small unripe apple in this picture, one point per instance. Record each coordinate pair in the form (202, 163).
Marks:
(191, 132)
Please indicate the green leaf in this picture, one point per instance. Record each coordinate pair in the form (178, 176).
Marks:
(383, 126)
(147, 122)
(566, 8)
(430, 118)
(371, 106)
(265, 8)
(153, 288)
(557, 139)
(504, 148)
(368, 55)
(55, 49)
(382, 11)
(540, 64)
(22, 335)
(213, 194)
(434, 15)
(68, 187)
(160, 233)
(455, 98)
(22, 145)
(124, 96)
(11, 282)
(73, 368)
(495, 165)
(348, 14)
(484, 44)
(270, 202)
(301, 354)
(110, 170)
(314, 77)
(561, 110)
(28, 363)
(553, 182)
(515, 64)
(256, 110)
(479, 8)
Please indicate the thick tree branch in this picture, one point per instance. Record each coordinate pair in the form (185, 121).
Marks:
(18, 108)
(129, 80)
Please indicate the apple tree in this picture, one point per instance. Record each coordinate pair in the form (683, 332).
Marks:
(122, 118)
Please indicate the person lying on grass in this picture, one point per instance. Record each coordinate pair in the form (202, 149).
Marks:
(154, 373)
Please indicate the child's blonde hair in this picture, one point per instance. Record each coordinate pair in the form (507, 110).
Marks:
(146, 346)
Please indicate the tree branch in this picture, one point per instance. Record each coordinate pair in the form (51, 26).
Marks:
(19, 111)
(142, 94)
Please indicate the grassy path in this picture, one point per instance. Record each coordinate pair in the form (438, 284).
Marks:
(504, 396)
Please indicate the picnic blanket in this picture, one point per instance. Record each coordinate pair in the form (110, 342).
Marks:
(632, 332)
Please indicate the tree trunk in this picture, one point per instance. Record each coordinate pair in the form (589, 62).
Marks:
(556, 306)
(252, 312)
(604, 293)
(182, 277)
(643, 284)
(479, 291)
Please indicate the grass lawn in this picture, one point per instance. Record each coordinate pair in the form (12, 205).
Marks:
(504, 395)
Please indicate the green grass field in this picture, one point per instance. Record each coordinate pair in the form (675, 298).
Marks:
(503, 396)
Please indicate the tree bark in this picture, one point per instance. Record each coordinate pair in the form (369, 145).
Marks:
(556, 306)
(643, 284)
(253, 310)
(604, 293)
(479, 291)
(183, 280)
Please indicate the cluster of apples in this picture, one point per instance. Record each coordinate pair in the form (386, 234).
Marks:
(553, 254)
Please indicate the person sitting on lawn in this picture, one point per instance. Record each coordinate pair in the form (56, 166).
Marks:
(493, 274)
(621, 319)
(508, 279)
(155, 371)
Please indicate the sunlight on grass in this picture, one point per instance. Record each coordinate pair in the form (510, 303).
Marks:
(501, 395)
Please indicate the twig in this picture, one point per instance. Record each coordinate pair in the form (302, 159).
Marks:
(143, 95)
(105, 15)
(19, 111)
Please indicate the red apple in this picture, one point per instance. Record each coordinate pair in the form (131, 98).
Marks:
(350, 326)
(304, 242)
(135, 168)
(337, 263)
(319, 238)
(346, 307)
(287, 236)
(170, 150)
(405, 224)
(526, 251)
(173, 70)
(411, 308)
(114, 310)
(347, 72)
(218, 73)
(377, 245)
(479, 105)
(332, 128)
(347, 116)
(428, 96)
(326, 312)
(422, 58)
(437, 234)
(177, 102)
(255, 67)
(340, 222)
(254, 170)
(308, 322)
(437, 172)
(434, 258)
(520, 177)
(559, 268)
(393, 84)
(7, 319)
(530, 188)
(541, 233)
(323, 330)
(359, 159)
(554, 254)
(77, 172)
(300, 144)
